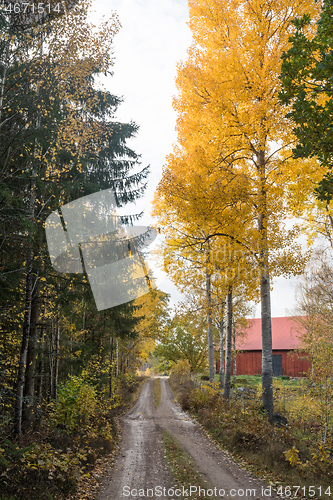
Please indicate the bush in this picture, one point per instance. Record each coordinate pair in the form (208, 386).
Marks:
(181, 367)
(242, 381)
(128, 382)
(185, 401)
(203, 399)
(76, 404)
(55, 460)
(320, 463)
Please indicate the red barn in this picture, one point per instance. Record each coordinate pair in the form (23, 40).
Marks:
(285, 340)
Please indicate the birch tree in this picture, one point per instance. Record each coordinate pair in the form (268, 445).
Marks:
(233, 154)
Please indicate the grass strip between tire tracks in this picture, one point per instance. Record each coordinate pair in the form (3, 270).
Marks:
(157, 391)
(182, 466)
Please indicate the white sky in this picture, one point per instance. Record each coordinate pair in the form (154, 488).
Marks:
(153, 38)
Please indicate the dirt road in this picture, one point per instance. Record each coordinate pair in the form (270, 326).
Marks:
(141, 471)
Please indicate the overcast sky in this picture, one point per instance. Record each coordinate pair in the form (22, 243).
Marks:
(153, 38)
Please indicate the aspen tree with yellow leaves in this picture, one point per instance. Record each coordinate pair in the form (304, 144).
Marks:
(232, 169)
(205, 267)
(195, 192)
(191, 270)
(154, 314)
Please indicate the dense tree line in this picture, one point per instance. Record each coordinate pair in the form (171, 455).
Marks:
(59, 140)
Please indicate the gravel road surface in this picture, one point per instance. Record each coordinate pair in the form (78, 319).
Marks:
(140, 470)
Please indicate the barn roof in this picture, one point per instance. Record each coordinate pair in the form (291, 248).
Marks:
(285, 334)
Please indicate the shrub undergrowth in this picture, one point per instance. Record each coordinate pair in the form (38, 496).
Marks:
(50, 462)
(289, 454)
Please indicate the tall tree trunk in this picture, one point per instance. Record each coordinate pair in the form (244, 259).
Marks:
(4, 76)
(29, 291)
(40, 369)
(40, 351)
(56, 358)
(27, 314)
(51, 349)
(234, 355)
(221, 332)
(210, 329)
(265, 293)
(267, 368)
(30, 371)
(111, 367)
(226, 393)
(24, 347)
(117, 358)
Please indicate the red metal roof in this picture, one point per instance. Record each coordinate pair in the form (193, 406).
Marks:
(285, 334)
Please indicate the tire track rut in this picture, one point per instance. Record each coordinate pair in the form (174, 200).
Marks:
(141, 464)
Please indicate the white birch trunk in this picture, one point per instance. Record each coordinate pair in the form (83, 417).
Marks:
(265, 293)
(226, 393)
(210, 329)
(234, 378)
(221, 332)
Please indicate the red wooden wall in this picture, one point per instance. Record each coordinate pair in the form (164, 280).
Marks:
(249, 363)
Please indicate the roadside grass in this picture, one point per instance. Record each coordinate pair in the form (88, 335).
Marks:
(157, 391)
(58, 461)
(181, 384)
(283, 455)
(254, 380)
(290, 389)
(183, 468)
(133, 394)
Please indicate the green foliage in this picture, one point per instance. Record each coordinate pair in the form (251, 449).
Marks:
(3, 461)
(184, 339)
(76, 403)
(307, 72)
(128, 382)
(63, 458)
(163, 367)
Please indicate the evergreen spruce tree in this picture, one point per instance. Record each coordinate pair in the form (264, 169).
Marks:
(59, 141)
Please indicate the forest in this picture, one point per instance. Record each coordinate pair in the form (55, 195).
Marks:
(249, 177)
(62, 361)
